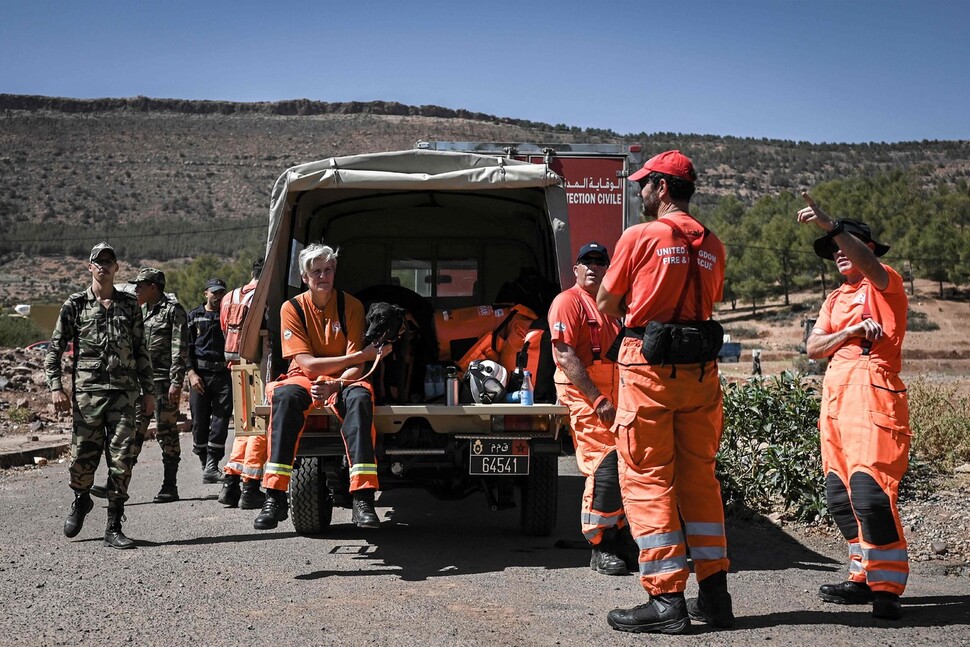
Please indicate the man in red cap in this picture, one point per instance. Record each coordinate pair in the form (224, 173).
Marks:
(581, 334)
(864, 420)
(665, 277)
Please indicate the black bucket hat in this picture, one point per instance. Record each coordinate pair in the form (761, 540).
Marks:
(825, 246)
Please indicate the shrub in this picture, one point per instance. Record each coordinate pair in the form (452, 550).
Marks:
(940, 420)
(770, 450)
(917, 321)
(21, 415)
(17, 332)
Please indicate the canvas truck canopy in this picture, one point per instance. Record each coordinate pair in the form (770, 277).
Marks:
(414, 195)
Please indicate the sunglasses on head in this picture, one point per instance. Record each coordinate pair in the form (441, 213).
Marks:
(589, 261)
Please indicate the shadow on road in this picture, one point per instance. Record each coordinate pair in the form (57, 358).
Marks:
(929, 611)
(423, 538)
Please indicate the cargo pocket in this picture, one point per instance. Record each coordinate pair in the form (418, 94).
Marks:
(88, 366)
(626, 437)
(889, 405)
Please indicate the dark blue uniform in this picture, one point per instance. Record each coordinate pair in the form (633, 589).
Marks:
(212, 409)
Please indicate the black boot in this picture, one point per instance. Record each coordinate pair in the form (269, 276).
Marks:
(627, 549)
(663, 614)
(363, 510)
(886, 605)
(713, 604)
(113, 537)
(79, 509)
(847, 592)
(252, 498)
(211, 472)
(274, 510)
(604, 559)
(169, 491)
(230, 490)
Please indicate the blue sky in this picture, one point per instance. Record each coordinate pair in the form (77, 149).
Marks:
(820, 71)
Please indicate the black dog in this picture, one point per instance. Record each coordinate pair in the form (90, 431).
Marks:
(385, 323)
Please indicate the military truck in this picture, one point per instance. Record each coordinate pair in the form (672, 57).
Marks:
(435, 232)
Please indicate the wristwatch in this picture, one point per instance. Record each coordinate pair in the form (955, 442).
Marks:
(837, 229)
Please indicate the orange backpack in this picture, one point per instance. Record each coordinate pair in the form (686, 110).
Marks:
(240, 301)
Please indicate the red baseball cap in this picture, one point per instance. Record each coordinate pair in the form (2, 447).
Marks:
(669, 163)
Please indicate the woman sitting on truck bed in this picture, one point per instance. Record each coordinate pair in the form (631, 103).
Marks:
(322, 337)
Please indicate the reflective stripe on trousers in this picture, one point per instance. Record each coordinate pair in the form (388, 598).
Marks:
(864, 425)
(602, 506)
(667, 435)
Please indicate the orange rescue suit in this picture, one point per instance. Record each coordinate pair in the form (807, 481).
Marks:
(865, 434)
(572, 318)
(669, 423)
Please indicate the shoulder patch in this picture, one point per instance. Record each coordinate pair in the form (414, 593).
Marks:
(559, 326)
(287, 333)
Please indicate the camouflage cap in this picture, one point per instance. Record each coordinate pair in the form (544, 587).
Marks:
(101, 247)
(150, 275)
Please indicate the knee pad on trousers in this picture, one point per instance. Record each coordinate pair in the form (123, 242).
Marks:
(837, 497)
(874, 509)
(606, 485)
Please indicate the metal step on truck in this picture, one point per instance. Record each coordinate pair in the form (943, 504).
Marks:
(437, 233)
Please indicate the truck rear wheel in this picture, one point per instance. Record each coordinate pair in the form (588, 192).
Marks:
(311, 505)
(540, 496)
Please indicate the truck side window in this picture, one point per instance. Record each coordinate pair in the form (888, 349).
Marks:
(412, 274)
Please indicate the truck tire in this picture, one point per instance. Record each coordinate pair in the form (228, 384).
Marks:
(311, 505)
(540, 496)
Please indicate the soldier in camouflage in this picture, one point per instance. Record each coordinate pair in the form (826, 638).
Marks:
(111, 371)
(168, 345)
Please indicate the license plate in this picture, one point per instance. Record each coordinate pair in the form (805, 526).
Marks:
(489, 457)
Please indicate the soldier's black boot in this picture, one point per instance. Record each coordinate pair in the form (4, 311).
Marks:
(113, 537)
(663, 614)
(211, 472)
(230, 490)
(604, 559)
(713, 604)
(363, 510)
(169, 491)
(252, 498)
(79, 509)
(274, 510)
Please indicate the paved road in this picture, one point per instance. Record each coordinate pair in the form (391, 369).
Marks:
(436, 573)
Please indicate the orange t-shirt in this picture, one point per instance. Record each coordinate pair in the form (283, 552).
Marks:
(843, 308)
(568, 323)
(651, 266)
(322, 336)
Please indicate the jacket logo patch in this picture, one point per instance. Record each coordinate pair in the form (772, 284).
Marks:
(559, 326)
(287, 333)
(859, 298)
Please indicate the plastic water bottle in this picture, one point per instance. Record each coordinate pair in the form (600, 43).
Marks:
(439, 381)
(526, 394)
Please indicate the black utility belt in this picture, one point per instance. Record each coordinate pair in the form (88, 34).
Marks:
(693, 342)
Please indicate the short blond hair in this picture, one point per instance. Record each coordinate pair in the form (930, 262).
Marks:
(314, 251)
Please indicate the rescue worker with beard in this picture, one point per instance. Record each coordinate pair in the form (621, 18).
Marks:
(581, 334)
(864, 421)
(326, 362)
(665, 276)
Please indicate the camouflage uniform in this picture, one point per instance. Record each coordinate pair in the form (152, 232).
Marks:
(167, 338)
(111, 370)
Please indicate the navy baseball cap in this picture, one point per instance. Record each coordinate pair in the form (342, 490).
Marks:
(215, 285)
(593, 248)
